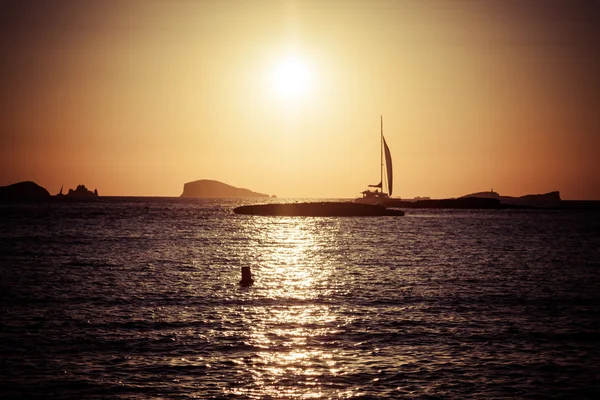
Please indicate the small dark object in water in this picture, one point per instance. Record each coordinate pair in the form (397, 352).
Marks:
(246, 277)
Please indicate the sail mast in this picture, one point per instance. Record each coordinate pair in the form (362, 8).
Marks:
(381, 154)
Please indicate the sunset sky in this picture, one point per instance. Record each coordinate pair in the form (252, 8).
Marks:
(139, 97)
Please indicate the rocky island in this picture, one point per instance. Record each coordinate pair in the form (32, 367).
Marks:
(80, 193)
(206, 188)
(551, 199)
(23, 191)
(484, 200)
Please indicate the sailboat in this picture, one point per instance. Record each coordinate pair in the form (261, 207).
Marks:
(373, 203)
(382, 192)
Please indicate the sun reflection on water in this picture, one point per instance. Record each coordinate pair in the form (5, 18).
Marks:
(291, 261)
(289, 337)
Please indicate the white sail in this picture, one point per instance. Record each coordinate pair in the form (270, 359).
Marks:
(388, 167)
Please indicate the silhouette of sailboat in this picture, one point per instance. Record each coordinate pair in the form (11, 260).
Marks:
(379, 195)
(373, 203)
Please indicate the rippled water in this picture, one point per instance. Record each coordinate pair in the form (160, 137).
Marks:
(139, 298)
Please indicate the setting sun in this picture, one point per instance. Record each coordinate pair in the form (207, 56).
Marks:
(292, 77)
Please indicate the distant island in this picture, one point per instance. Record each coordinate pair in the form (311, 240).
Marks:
(23, 191)
(551, 199)
(81, 193)
(206, 188)
(485, 200)
(32, 192)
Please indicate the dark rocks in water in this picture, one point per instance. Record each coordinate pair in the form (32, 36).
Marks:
(482, 195)
(462, 203)
(23, 191)
(323, 209)
(80, 193)
(551, 199)
(484, 200)
(207, 188)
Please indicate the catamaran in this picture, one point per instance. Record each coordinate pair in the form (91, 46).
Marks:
(384, 188)
(374, 202)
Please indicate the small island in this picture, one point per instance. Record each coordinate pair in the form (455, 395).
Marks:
(80, 193)
(206, 188)
(551, 199)
(23, 191)
(483, 200)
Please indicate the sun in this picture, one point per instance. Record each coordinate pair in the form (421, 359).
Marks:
(292, 77)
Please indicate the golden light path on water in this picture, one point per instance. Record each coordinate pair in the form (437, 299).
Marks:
(294, 266)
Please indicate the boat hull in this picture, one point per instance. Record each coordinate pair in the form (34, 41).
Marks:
(323, 209)
(374, 201)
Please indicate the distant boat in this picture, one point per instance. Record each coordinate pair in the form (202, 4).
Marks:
(380, 196)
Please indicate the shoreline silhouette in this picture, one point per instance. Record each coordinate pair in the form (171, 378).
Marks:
(29, 191)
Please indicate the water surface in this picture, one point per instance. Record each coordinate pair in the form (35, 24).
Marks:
(139, 298)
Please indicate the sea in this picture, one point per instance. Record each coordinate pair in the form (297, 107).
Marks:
(139, 298)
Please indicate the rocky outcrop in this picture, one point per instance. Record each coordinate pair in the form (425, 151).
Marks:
(81, 193)
(483, 195)
(462, 203)
(23, 191)
(206, 188)
(483, 200)
(551, 199)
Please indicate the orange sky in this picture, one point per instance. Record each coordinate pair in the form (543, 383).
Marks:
(139, 97)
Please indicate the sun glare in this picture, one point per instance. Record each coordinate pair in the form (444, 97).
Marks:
(292, 77)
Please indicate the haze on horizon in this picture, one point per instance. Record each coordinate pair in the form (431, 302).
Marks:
(284, 97)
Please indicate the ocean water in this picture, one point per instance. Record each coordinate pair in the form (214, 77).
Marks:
(138, 298)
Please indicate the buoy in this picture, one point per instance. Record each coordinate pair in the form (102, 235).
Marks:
(246, 277)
